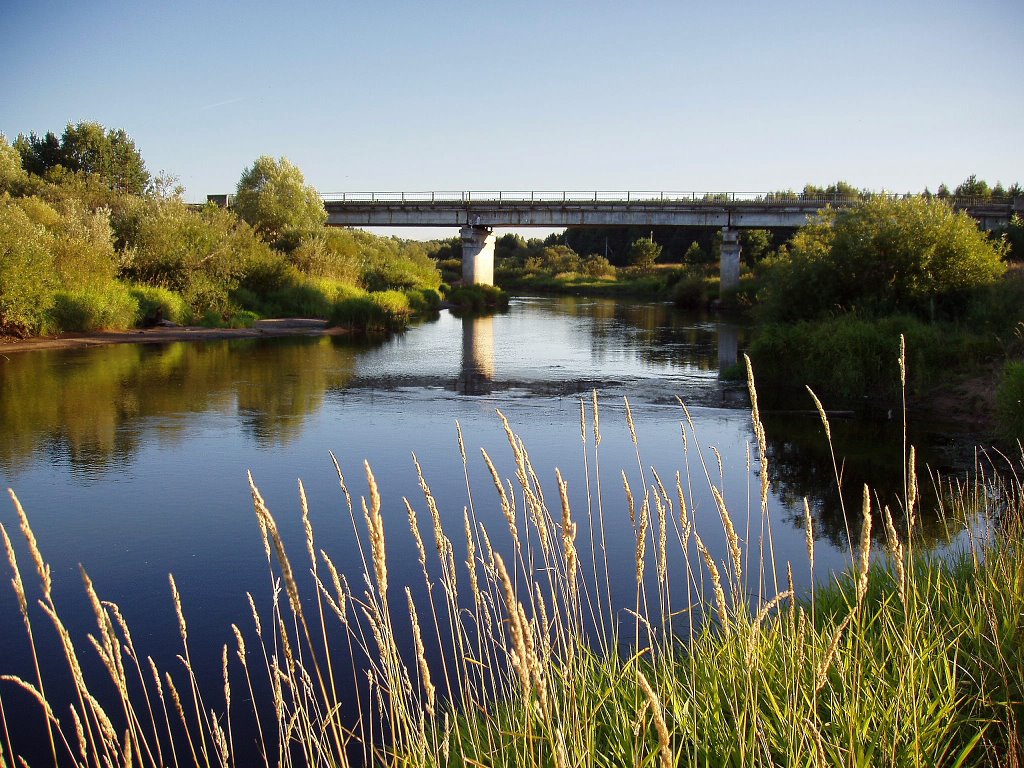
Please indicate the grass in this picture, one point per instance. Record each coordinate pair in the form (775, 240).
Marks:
(906, 659)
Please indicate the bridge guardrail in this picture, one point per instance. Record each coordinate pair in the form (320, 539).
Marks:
(513, 197)
(647, 197)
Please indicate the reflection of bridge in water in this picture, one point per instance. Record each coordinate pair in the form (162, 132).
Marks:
(478, 373)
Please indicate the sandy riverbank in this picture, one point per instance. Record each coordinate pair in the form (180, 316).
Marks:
(164, 334)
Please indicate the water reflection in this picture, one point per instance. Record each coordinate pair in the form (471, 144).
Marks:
(96, 408)
(477, 373)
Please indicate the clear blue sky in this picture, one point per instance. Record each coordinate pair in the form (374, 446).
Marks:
(686, 96)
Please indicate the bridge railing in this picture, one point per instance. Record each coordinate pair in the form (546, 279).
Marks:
(448, 197)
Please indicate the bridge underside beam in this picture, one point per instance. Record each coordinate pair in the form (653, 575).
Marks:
(412, 215)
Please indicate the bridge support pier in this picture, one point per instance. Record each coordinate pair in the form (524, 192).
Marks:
(729, 263)
(477, 255)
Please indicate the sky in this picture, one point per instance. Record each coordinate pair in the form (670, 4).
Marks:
(657, 96)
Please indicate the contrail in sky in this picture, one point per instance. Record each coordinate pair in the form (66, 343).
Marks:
(224, 103)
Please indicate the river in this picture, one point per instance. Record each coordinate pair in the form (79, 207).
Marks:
(131, 460)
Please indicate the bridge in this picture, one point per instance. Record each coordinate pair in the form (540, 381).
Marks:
(477, 213)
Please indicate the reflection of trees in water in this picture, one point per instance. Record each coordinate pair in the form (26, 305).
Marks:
(657, 333)
(800, 465)
(92, 407)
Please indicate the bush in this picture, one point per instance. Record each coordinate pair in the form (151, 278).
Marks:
(27, 272)
(881, 256)
(423, 301)
(468, 299)
(112, 308)
(158, 304)
(691, 293)
(1010, 401)
(598, 266)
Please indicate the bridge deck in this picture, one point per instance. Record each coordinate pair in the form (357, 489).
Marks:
(566, 209)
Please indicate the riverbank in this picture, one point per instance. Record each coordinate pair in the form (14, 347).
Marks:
(167, 334)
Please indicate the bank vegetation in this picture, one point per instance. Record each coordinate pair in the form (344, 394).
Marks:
(90, 241)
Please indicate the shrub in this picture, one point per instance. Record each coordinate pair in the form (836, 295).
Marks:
(1010, 401)
(691, 293)
(598, 266)
(881, 256)
(423, 301)
(643, 253)
(156, 304)
(111, 308)
(27, 273)
(477, 298)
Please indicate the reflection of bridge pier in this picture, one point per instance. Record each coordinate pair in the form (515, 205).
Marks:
(728, 346)
(477, 370)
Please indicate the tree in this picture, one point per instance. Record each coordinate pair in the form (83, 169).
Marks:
(643, 253)
(12, 175)
(972, 186)
(273, 197)
(90, 149)
(882, 256)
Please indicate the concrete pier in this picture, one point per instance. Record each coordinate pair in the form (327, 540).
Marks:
(477, 255)
(729, 265)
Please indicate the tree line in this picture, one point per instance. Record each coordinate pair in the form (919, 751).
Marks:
(89, 239)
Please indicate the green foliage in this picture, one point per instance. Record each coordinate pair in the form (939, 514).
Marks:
(203, 255)
(12, 175)
(83, 247)
(330, 253)
(423, 301)
(372, 313)
(755, 245)
(159, 304)
(394, 264)
(90, 149)
(643, 253)
(881, 256)
(27, 272)
(1013, 233)
(691, 293)
(94, 309)
(972, 186)
(553, 260)
(850, 357)
(476, 299)
(598, 266)
(697, 255)
(1010, 401)
(273, 197)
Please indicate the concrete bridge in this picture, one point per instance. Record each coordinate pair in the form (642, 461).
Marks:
(477, 213)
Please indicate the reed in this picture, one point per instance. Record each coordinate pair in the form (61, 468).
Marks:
(907, 658)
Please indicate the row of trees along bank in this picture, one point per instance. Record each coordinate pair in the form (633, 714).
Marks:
(91, 240)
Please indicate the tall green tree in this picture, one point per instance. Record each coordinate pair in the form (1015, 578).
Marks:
(273, 197)
(87, 148)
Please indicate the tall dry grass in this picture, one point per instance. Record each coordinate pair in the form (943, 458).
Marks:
(907, 658)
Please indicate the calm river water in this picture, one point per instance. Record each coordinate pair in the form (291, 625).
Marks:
(131, 460)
